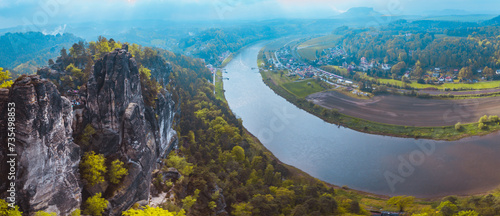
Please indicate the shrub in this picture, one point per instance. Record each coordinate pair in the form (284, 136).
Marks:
(482, 126)
(153, 211)
(87, 134)
(6, 210)
(117, 171)
(76, 212)
(93, 168)
(189, 201)
(180, 164)
(494, 118)
(483, 119)
(95, 205)
(42, 213)
(458, 126)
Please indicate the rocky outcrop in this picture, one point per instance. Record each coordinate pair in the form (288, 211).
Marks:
(47, 159)
(127, 129)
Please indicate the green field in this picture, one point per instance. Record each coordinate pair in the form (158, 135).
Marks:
(279, 43)
(219, 86)
(450, 86)
(295, 93)
(308, 49)
(227, 60)
(303, 88)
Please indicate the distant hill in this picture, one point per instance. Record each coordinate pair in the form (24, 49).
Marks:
(359, 13)
(25, 51)
(446, 12)
(494, 21)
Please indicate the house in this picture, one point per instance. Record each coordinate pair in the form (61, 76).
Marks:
(455, 71)
(449, 79)
(498, 72)
(363, 60)
(386, 67)
(435, 75)
(441, 79)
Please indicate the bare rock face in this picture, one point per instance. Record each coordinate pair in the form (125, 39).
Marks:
(126, 129)
(47, 162)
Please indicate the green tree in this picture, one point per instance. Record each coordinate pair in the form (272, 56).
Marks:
(418, 72)
(180, 164)
(465, 73)
(146, 211)
(487, 72)
(76, 212)
(238, 153)
(93, 167)
(150, 87)
(189, 201)
(76, 73)
(484, 119)
(458, 126)
(447, 208)
(494, 118)
(117, 171)
(401, 202)
(397, 69)
(95, 205)
(5, 77)
(242, 209)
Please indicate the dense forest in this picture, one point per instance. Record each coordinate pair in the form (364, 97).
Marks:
(213, 42)
(426, 44)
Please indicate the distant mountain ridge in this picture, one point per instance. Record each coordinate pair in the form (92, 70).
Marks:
(494, 21)
(359, 12)
(32, 49)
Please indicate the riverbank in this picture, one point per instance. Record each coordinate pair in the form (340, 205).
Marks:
(449, 132)
(369, 201)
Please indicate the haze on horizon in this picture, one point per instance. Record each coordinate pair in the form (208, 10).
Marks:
(22, 12)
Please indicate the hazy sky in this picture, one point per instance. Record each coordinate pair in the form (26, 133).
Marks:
(43, 12)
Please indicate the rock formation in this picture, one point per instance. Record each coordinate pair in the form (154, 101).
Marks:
(125, 128)
(47, 162)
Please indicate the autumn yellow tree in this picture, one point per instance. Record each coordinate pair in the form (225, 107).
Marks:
(117, 171)
(93, 167)
(5, 78)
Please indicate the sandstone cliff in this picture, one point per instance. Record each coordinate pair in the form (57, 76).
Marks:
(126, 129)
(47, 162)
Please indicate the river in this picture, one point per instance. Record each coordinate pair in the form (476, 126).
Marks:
(341, 156)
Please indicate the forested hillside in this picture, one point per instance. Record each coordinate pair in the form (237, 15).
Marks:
(22, 53)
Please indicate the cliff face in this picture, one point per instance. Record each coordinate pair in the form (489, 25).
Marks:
(116, 109)
(126, 129)
(47, 162)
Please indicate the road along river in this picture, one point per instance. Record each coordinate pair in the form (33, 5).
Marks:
(341, 156)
